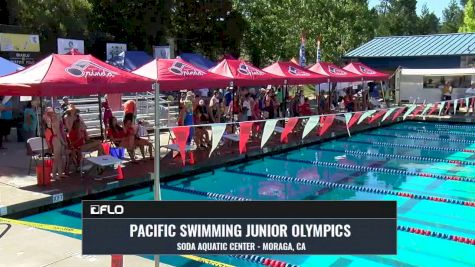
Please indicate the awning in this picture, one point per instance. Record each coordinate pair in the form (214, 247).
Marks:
(334, 73)
(60, 75)
(366, 72)
(245, 74)
(438, 72)
(294, 74)
(176, 74)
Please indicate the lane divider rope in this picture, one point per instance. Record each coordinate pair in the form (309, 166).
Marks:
(380, 170)
(422, 138)
(418, 130)
(382, 155)
(412, 146)
(309, 180)
(413, 230)
(444, 126)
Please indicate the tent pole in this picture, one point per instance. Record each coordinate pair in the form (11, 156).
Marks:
(284, 97)
(100, 116)
(156, 174)
(41, 136)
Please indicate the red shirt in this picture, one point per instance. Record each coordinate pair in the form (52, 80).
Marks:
(115, 134)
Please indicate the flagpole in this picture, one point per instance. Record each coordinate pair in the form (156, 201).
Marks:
(156, 173)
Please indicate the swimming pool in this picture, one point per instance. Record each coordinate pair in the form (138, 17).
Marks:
(428, 168)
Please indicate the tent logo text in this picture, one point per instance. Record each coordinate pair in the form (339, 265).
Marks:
(182, 69)
(248, 70)
(85, 68)
(336, 71)
(367, 71)
(297, 72)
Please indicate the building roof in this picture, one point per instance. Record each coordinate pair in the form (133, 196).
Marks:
(454, 44)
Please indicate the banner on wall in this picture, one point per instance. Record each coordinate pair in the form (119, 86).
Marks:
(12, 42)
(66, 45)
(114, 49)
(161, 52)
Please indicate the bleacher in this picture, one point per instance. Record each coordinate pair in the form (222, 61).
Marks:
(89, 110)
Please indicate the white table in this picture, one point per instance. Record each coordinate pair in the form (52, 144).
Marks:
(278, 129)
(104, 162)
(232, 137)
(175, 147)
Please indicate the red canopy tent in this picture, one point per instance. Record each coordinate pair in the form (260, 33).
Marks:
(60, 75)
(334, 73)
(366, 72)
(74, 51)
(245, 74)
(176, 74)
(294, 74)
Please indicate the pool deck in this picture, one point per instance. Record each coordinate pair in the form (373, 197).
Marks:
(19, 191)
(51, 249)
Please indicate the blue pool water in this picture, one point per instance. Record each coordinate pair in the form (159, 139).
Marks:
(413, 249)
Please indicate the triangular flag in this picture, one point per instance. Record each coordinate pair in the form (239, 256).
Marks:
(455, 106)
(347, 121)
(449, 104)
(120, 174)
(426, 108)
(417, 111)
(181, 135)
(354, 119)
(472, 104)
(389, 112)
(378, 115)
(217, 131)
(441, 107)
(244, 132)
(325, 124)
(289, 127)
(117, 260)
(269, 128)
(434, 108)
(311, 123)
(409, 111)
(467, 103)
(398, 113)
(366, 115)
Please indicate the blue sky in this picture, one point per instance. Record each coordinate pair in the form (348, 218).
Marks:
(435, 6)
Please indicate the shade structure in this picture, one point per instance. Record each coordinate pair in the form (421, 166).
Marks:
(60, 75)
(365, 72)
(7, 67)
(176, 74)
(245, 74)
(198, 60)
(334, 73)
(294, 74)
(130, 60)
(74, 51)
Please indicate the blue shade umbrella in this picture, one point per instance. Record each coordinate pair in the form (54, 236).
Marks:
(198, 60)
(7, 67)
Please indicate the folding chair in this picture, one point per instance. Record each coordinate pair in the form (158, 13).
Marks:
(33, 149)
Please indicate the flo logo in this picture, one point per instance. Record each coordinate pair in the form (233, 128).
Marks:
(367, 71)
(336, 71)
(182, 69)
(248, 70)
(85, 68)
(297, 72)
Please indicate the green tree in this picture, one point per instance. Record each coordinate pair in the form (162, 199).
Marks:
(428, 22)
(212, 27)
(52, 19)
(452, 18)
(397, 17)
(468, 18)
(139, 23)
(274, 28)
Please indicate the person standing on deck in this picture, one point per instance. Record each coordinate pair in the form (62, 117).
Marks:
(130, 107)
(447, 91)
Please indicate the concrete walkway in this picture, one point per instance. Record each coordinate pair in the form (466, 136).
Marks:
(25, 246)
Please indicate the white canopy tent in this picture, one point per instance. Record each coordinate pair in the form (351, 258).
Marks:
(421, 85)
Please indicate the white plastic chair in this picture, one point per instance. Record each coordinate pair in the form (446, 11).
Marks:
(34, 149)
